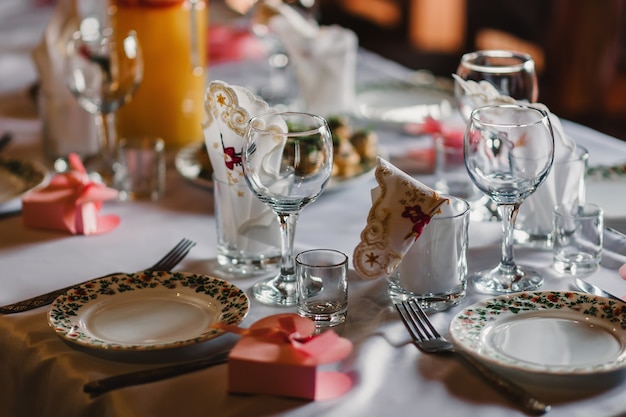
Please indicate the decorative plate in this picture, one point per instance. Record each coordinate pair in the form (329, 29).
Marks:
(396, 103)
(18, 177)
(146, 311)
(545, 332)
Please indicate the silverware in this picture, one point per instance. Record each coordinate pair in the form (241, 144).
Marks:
(428, 340)
(95, 388)
(169, 261)
(592, 289)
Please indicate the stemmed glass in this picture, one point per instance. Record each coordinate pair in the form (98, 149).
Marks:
(287, 161)
(276, 90)
(509, 151)
(103, 74)
(509, 73)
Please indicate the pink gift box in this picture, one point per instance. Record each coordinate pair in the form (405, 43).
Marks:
(70, 202)
(279, 355)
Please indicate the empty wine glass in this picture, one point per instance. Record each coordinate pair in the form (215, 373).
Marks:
(103, 74)
(287, 162)
(509, 151)
(511, 74)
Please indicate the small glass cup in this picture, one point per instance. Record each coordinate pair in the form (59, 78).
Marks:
(248, 233)
(450, 171)
(578, 238)
(434, 270)
(140, 168)
(322, 286)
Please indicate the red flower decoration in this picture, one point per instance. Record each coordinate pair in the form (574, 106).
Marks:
(231, 158)
(417, 217)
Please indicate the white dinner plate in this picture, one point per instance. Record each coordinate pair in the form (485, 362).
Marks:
(545, 333)
(17, 177)
(147, 311)
(396, 103)
(192, 165)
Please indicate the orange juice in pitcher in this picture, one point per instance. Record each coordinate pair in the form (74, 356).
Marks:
(169, 103)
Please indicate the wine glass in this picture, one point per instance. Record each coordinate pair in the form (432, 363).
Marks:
(509, 151)
(103, 74)
(510, 73)
(287, 160)
(276, 90)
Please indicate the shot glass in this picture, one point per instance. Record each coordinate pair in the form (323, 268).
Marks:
(434, 270)
(450, 171)
(140, 168)
(248, 233)
(578, 238)
(322, 286)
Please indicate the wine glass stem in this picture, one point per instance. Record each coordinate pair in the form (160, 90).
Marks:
(287, 231)
(508, 213)
(107, 141)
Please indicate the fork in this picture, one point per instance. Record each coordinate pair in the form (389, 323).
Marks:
(428, 340)
(169, 261)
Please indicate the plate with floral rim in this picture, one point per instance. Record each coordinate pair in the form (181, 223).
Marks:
(545, 333)
(146, 311)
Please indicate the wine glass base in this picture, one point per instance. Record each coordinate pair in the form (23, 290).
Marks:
(275, 291)
(498, 281)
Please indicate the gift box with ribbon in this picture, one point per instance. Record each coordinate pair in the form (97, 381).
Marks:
(281, 355)
(70, 202)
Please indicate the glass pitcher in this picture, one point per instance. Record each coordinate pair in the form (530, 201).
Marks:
(170, 101)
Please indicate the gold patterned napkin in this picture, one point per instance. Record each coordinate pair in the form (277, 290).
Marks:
(401, 207)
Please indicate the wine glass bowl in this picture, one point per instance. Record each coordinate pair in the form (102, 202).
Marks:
(509, 151)
(287, 162)
(103, 74)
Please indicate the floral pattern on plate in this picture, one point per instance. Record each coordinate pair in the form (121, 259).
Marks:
(473, 329)
(73, 315)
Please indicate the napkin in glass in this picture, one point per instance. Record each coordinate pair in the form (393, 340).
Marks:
(247, 221)
(66, 126)
(565, 182)
(324, 59)
(401, 207)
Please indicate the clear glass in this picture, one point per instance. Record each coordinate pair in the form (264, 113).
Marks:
(103, 74)
(512, 74)
(287, 162)
(509, 151)
(277, 89)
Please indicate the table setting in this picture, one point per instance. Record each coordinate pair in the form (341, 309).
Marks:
(278, 286)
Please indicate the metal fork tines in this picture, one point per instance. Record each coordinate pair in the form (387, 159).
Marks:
(428, 340)
(174, 256)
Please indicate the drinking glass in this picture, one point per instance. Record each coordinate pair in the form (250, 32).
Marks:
(287, 161)
(276, 90)
(510, 73)
(509, 151)
(102, 74)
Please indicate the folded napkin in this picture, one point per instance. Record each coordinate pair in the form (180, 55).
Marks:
(66, 126)
(70, 202)
(565, 182)
(401, 208)
(248, 221)
(281, 355)
(324, 59)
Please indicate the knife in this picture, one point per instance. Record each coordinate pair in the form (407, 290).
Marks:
(589, 288)
(101, 386)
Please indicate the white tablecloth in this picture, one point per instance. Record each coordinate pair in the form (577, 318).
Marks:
(41, 375)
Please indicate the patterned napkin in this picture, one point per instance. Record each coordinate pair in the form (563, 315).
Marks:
(401, 207)
(247, 221)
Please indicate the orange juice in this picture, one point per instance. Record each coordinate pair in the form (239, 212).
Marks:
(169, 102)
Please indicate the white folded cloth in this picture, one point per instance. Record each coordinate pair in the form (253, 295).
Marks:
(564, 184)
(325, 62)
(249, 222)
(401, 207)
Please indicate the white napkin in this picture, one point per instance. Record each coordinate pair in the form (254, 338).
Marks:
(325, 62)
(249, 221)
(563, 184)
(401, 207)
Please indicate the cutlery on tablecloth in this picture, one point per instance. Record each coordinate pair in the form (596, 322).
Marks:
(592, 289)
(169, 261)
(101, 386)
(428, 340)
